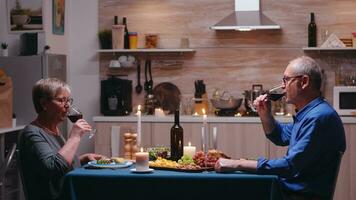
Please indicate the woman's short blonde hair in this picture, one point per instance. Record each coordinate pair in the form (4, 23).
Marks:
(47, 89)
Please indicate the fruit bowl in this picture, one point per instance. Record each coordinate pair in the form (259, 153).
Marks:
(230, 103)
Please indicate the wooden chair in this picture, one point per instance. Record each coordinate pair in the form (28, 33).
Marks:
(336, 173)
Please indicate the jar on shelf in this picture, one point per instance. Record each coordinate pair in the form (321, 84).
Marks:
(151, 40)
(133, 40)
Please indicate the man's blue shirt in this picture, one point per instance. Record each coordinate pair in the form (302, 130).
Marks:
(314, 138)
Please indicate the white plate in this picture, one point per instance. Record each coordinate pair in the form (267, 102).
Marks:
(111, 165)
(144, 171)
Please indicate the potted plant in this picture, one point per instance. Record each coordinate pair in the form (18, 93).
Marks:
(4, 49)
(20, 16)
(105, 39)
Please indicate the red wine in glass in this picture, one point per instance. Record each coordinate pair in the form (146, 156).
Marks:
(75, 117)
(275, 96)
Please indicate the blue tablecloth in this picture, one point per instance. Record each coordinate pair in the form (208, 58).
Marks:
(123, 184)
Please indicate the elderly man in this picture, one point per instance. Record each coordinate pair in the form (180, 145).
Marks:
(315, 137)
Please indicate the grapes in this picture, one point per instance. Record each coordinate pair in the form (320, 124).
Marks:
(209, 159)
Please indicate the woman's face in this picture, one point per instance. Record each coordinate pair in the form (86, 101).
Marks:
(57, 107)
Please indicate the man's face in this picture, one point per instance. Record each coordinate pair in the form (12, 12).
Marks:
(292, 85)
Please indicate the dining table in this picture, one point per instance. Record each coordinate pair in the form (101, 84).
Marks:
(123, 183)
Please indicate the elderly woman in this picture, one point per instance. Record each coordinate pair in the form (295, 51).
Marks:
(45, 156)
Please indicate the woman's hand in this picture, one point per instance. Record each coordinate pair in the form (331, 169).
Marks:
(85, 158)
(80, 128)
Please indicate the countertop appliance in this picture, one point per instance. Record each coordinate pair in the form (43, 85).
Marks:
(116, 97)
(345, 100)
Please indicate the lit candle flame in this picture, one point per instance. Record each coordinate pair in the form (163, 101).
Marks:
(139, 108)
(203, 111)
(189, 144)
(141, 149)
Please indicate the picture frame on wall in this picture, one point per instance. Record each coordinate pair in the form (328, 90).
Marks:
(58, 16)
(24, 16)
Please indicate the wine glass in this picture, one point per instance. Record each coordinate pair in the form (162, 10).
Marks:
(274, 94)
(74, 114)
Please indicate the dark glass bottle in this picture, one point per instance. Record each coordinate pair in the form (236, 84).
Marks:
(116, 22)
(312, 31)
(176, 138)
(126, 34)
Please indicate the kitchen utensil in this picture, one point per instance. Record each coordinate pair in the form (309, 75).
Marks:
(150, 82)
(146, 84)
(138, 86)
(230, 103)
(250, 96)
(168, 96)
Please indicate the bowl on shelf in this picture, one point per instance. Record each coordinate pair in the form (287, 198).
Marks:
(231, 103)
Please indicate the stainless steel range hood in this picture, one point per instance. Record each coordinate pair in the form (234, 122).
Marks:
(247, 16)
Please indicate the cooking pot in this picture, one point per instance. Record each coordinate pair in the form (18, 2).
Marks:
(230, 103)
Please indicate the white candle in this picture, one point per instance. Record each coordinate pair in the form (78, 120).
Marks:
(203, 139)
(215, 142)
(159, 112)
(142, 160)
(138, 125)
(205, 132)
(189, 150)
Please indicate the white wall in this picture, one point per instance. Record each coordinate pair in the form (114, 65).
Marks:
(79, 43)
(83, 63)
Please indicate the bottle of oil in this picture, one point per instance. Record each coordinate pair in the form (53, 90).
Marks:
(126, 34)
(312, 31)
(176, 138)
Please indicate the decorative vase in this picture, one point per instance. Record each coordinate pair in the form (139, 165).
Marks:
(5, 52)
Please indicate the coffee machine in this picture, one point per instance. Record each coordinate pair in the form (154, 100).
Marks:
(116, 97)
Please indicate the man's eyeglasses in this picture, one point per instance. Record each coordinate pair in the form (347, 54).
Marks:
(64, 100)
(286, 79)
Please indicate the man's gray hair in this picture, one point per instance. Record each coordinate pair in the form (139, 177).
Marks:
(47, 89)
(305, 65)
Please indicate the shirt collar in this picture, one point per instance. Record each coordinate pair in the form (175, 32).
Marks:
(302, 112)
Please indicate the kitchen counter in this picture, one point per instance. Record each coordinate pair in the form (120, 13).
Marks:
(192, 119)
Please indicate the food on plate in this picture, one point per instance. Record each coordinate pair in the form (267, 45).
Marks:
(112, 160)
(186, 160)
(155, 152)
(162, 162)
(104, 161)
(169, 164)
(209, 159)
(118, 160)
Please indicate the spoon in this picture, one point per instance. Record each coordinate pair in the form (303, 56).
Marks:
(138, 86)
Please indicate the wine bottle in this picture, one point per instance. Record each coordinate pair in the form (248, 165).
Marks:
(312, 31)
(176, 138)
(126, 34)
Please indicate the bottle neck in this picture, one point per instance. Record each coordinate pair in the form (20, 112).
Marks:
(124, 21)
(312, 19)
(176, 117)
(116, 20)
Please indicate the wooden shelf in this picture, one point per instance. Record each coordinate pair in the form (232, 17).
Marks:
(146, 50)
(329, 49)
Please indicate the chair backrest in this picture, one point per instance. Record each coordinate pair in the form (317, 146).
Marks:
(336, 173)
(7, 162)
(19, 166)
